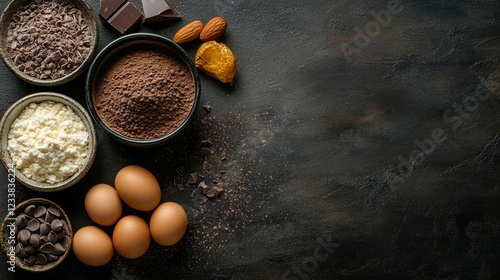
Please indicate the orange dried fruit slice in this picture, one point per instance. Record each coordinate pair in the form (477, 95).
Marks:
(217, 61)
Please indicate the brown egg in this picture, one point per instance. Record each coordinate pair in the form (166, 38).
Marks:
(168, 223)
(131, 237)
(103, 204)
(138, 188)
(92, 246)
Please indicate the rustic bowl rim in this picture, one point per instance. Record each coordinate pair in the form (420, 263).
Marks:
(13, 112)
(116, 46)
(8, 218)
(5, 19)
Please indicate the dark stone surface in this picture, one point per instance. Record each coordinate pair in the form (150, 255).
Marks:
(318, 130)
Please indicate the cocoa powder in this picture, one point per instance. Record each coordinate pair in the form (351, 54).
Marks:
(145, 94)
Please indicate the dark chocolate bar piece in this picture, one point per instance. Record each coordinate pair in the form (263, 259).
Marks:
(159, 10)
(109, 7)
(126, 19)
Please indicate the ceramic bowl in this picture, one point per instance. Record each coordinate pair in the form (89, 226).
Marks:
(9, 240)
(120, 46)
(7, 17)
(10, 116)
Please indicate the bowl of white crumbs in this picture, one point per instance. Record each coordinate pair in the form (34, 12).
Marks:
(48, 141)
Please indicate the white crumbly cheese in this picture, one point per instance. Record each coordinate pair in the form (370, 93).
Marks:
(48, 142)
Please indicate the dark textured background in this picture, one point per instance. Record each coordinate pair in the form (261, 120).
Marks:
(318, 130)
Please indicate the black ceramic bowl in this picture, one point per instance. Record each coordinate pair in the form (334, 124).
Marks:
(123, 45)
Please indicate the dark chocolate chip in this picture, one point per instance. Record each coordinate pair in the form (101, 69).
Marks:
(52, 257)
(22, 221)
(65, 227)
(56, 225)
(54, 211)
(35, 240)
(44, 228)
(33, 225)
(41, 259)
(49, 217)
(44, 239)
(47, 248)
(20, 251)
(59, 249)
(65, 241)
(30, 210)
(30, 260)
(52, 237)
(29, 249)
(40, 211)
(23, 236)
(60, 234)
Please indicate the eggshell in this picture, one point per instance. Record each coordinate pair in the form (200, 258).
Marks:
(138, 188)
(168, 223)
(92, 246)
(131, 237)
(103, 204)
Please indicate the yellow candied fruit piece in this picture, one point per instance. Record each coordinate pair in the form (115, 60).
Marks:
(217, 61)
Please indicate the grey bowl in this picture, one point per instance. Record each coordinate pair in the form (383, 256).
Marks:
(13, 112)
(89, 16)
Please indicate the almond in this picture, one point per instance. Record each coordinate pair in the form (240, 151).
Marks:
(189, 32)
(213, 29)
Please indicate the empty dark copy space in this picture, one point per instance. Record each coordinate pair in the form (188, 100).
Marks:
(360, 140)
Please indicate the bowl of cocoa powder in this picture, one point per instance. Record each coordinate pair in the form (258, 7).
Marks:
(48, 42)
(143, 89)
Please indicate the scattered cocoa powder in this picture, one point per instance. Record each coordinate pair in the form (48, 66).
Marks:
(145, 94)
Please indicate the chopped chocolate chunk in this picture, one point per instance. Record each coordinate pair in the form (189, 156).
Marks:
(193, 178)
(109, 7)
(159, 10)
(205, 151)
(207, 167)
(180, 170)
(210, 193)
(205, 143)
(202, 187)
(193, 193)
(125, 19)
(207, 108)
(177, 180)
(218, 190)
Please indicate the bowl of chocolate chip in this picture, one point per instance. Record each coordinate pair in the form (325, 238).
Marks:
(143, 89)
(36, 235)
(48, 42)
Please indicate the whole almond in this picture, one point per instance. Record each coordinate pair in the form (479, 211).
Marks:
(213, 29)
(189, 32)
